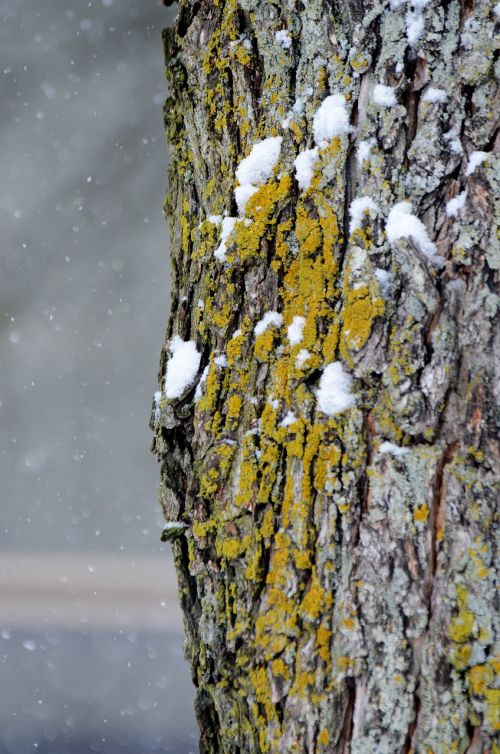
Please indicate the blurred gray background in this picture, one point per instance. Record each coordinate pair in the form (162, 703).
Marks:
(91, 637)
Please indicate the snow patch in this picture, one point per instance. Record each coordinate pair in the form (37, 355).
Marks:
(157, 412)
(383, 278)
(304, 167)
(258, 167)
(182, 367)
(414, 26)
(297, 109)
(435, 95)
(228, 224)
(302, 356)
(269, 318)
(475, 160)
(454, 142)
(384, 95)
(283, 38)
(330, 119)
(364, 149)
(288, 420)
(199, 387)
(357, 210)
(401, 223)
(334, 392)
(215, 219)
(174, 526)
(394, 450)
(295, 330)
(242, 194)
(221, 361)
(455, 205)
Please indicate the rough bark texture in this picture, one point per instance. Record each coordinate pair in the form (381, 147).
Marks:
(337, 598)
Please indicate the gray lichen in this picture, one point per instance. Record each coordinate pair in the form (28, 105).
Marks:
(337, 572)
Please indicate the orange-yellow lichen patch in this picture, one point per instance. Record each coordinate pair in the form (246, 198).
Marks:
(462, 626)
(421, 514)
(316, 600)
(323, 637)
(323, 737)
(358, 314)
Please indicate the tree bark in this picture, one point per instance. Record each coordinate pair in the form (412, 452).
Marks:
(336, 567)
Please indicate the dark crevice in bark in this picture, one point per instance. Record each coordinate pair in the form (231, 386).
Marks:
(256, 72)
(345, 737)
(208, 722)
(186, 16)
(408, 746)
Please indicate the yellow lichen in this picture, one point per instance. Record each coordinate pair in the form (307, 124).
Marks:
(463, 625)
(358, 314)
(323, 737)
(421, 514)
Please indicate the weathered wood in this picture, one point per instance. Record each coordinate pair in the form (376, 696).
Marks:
(337, 592)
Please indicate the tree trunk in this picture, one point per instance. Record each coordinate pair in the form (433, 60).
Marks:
(328, 470)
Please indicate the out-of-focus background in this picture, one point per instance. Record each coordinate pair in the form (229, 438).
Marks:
(90, 631)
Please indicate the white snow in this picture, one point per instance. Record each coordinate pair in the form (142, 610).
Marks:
(384, 95)
(330, 119)
(384, 280)
(175, 525)
(288, 420)
(242, 194)
(357, 209)
(201, 304)
(364, 149)
(258, 167)
(435, 95)
(228, 224)
(394, 450)
(302, 357)
(401, 223)
(476, 159)
(199, 386)
(455, 205)
(297, 109)
(334, 392)
(182, 367)
(284, 39)
(496, 10)
(414, 26)
(304, 167)
(295, 330)
(221, 361)
(269, 318)
(236, 334)
(454, 142)
(414, 19)
(215, 219)
(157, 399)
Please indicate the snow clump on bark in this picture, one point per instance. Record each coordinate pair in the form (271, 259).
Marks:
(384, 95)
(401, 223)
(269, 318)
(182, 367)
(334, 393)
(256, 169)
